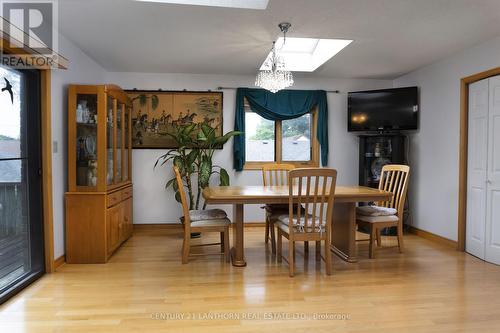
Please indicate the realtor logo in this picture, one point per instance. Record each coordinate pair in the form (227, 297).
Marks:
(29, 27)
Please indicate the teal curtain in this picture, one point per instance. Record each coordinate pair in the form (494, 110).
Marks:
(283, 105)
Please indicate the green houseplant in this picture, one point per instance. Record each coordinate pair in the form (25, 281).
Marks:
(197, 144)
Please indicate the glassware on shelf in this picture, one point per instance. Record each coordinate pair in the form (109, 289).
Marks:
(79, 114)
(81, 149)
(92, 173)
(109, 175)
(86, 139)
(90, 146)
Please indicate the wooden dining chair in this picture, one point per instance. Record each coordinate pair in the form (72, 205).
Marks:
(210, 222)
(274, 175)
(394, 179)
(313, 188)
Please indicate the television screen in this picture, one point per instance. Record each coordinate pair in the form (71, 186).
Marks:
(383, 110)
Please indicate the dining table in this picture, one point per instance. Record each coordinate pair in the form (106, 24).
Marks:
(343, 228)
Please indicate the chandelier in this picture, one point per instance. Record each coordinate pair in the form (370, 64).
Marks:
(276, 77)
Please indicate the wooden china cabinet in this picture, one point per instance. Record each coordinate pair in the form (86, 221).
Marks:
(99, 197)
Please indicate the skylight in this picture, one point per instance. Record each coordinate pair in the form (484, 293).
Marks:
(307, 54)
(246, 4)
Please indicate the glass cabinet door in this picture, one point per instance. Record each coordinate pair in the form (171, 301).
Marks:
(119, 143)
(126, 143)
(110, 139)
(86, 140)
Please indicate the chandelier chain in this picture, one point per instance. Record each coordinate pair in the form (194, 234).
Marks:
(275, 78)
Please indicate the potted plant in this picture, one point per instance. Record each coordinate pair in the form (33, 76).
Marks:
(197, 144)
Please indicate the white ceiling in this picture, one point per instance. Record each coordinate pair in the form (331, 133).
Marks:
(391, 37)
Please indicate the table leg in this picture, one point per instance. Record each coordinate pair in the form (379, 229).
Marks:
(238, 252)
(344, 231)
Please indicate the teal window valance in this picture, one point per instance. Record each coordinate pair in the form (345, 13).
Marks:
(283, 105)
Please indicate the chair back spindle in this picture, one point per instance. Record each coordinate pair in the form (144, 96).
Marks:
(394, 179)
(276, 174)
(312, 188)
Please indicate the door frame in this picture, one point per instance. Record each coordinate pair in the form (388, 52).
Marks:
(463, 151)
(46, 138)
(46, 131)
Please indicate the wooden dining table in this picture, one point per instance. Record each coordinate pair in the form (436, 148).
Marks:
(343, 220)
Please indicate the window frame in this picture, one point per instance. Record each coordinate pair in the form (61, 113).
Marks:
(278, 142)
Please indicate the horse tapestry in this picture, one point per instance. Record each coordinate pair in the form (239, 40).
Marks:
(156, 114)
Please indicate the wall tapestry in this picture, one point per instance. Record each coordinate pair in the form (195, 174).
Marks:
(155, 114)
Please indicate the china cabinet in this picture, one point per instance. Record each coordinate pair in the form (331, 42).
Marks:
(99, 197)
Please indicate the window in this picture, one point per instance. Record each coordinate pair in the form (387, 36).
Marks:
(21, 233)
(260, 143)
(289, 141)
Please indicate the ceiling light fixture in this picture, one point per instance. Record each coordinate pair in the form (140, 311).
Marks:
(244, 4)
(274, 77)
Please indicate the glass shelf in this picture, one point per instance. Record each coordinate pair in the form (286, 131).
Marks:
(86, 140)
(99, 130)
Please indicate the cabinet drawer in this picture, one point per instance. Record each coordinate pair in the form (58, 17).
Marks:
(113, 198)
(126, 193)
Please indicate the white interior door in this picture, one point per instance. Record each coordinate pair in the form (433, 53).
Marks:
(477, 168)
(492, 249)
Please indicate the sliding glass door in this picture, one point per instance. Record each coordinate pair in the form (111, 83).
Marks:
(21, 234)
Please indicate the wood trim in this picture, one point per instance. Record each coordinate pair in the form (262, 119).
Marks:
(102, 144)
(155, 226)
(147, 226)
(59, 262)
(433, 237)
(115, 126)
(24, 52)
(462, 171)
(254, 224)
(48, 228)
(278, 141)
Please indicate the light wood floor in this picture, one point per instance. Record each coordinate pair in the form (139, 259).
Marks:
(430, 288)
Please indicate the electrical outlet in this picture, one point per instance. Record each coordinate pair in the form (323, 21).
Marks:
(54, 147)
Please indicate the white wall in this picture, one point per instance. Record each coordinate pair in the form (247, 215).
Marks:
(434, 150)
(153, 204)
(82, 69)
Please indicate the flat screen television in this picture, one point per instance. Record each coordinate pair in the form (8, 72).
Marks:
(383, 110)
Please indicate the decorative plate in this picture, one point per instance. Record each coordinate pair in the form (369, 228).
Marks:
(90, 145)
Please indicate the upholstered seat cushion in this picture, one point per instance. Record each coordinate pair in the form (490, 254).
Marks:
(375, 211)
(207, 214)
(300, 224)
(376, 219)
(211, 223)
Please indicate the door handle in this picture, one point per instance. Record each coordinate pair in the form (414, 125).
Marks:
(488, 181)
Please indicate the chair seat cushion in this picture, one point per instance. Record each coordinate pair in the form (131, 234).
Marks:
(211, 223)
(300, 224)
(377, 219)
(207, 214)
(375, 211)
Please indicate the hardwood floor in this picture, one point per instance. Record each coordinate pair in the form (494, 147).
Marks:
(429, 288)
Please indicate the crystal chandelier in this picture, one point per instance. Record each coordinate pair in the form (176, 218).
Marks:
(276, 78)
